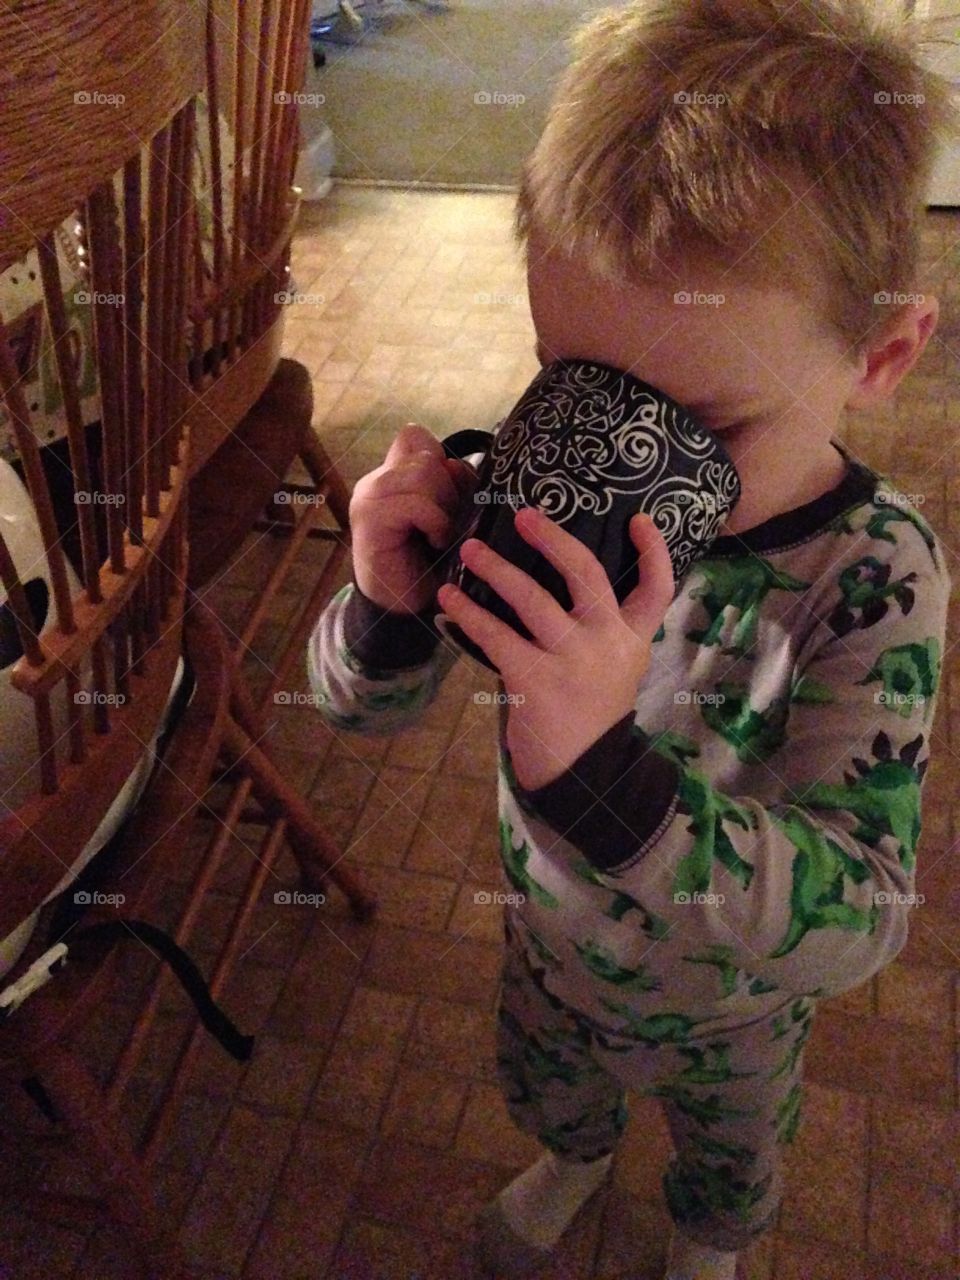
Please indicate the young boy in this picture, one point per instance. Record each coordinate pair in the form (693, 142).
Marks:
(709, 804)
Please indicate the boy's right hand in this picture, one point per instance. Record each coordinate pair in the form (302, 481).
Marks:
(401, 510)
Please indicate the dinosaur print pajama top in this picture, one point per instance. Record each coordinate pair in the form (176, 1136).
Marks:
(739, 845)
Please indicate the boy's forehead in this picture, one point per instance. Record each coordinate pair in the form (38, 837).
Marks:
(700, 335)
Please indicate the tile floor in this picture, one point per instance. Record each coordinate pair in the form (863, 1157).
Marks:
(368, 1129)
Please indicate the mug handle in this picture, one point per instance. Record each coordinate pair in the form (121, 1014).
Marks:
(466, 442)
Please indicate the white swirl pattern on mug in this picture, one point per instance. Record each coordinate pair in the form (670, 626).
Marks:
(584, 433)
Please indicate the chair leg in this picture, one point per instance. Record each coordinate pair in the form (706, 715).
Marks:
(326, 476)
(105, 1146)
(317, 855)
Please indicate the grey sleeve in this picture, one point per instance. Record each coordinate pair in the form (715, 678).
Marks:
(372, 671)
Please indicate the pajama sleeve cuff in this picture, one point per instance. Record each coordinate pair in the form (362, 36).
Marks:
(615, 800)
(386, 641)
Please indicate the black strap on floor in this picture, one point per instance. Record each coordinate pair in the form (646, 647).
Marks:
(191, 979)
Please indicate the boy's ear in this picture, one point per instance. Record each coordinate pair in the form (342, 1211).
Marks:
(901, 344)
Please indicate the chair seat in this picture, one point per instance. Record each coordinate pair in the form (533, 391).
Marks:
(231, 490)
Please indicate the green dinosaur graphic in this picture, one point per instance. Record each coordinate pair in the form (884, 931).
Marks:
(886, 513)
(820, 868)
(788, 1114)
(675, 746)
(910, 674)
(790, 1061)
(708, 1110)
(885, 798)
(542, 1064)
(754, 735)
(695, 1194)
(708, 809)
(741, 583)
(716, 1147)
(710, 1065)
(807, 691)
(544, 953)
(650, 923)
(721, 956)
(758, 987)
(600, 962)
(657, 1028)
(515, 864)
(603, 1116)
(866, 589)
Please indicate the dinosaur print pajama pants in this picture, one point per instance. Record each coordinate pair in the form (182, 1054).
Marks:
(731, 1101)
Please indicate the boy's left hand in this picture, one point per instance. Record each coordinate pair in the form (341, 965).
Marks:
(579, 674)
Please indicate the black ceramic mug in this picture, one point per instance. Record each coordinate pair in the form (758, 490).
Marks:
(591, 446)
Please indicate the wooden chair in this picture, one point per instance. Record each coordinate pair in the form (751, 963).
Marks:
(134, 613)
(250, 411)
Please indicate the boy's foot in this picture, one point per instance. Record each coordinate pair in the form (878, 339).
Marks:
(517, 1231)
(689, 1260)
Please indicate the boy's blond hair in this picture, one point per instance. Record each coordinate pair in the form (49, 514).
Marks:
(791, 139)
